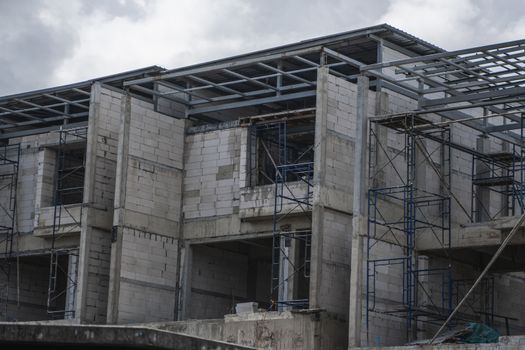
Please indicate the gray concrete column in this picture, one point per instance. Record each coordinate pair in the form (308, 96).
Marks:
(284, 272)
(423, 294)
(183, 302)
(319, 180)
(89, 194)
(71, 289)
(381, 142)
(359, 214)
(119, 204)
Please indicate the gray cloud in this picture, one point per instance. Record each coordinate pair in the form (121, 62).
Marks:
(30, 48)
(87, 38)
(132, 9)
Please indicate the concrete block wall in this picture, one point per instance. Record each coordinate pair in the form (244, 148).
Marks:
(461, 167)
(147, 281)
(509, 300)
(28, 295)
(46, 180)
(99, 192)
(383, 329)
(26, 184)
(211, 177)
(211, 183)
(35, 179)
(35, 187)
(146, 224)
(333, 186)
(32, 179)
(45, 185)
(336, 243)
(218, 282)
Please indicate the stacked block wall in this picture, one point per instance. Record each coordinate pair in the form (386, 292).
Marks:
(218, 282)
(211, 184)
(99, 192)
(509, 300)
(147, 215)
(211, 181)
(332, 211)
(28, 296)
(35, 179)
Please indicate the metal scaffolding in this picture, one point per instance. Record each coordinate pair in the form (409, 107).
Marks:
(281, 155)
(478, 89)
(68, 190)
(9, 166)
(401, 210)
(502, 173)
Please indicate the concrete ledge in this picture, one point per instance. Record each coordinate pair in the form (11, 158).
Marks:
(49, 335)
(482, 234)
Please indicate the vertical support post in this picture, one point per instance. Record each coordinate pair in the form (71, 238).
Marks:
(119, 208)
(379, 59)
(359, 214)
(422, 278)
(81, 307)
(71, 289)
(279, 81)
(284, 272)
(377, 151)
(185, 282)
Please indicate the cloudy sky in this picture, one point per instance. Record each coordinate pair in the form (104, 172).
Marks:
(49, 42)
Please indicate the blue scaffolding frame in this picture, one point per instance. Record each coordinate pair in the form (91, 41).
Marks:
(9, 166)
(288, 200)
(503, 173)
(55, 292)
(403, 227)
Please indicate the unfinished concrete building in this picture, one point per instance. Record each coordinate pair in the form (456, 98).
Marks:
(347, 189)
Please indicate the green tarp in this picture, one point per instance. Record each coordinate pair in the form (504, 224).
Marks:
(480, 333)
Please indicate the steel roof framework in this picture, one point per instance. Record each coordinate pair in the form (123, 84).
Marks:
(273, 79)
(43, 110)
(481, 87)
(268, 80)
